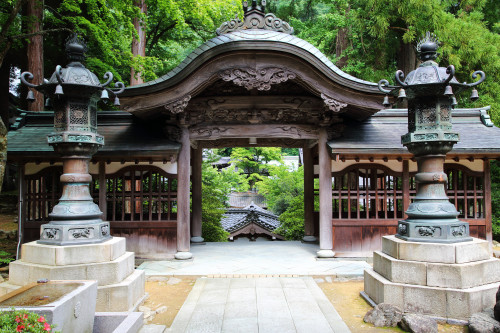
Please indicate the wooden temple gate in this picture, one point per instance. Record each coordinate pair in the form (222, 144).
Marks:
(255, 83)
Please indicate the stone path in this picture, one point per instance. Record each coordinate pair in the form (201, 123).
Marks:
(261, 305)
(255, 259)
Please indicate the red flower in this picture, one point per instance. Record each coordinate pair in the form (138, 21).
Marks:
(46, 327)
(19, 328)
(41, 319)
(25, 316)
(18, 320)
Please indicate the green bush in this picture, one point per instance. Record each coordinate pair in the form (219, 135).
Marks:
(23, 321)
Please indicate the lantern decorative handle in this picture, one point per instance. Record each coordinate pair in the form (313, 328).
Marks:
(121, 87)
(451, 71)
(481, 79)
(382, 84)
(25, 76)
(400, 76)
(58, 73)
(109, 77)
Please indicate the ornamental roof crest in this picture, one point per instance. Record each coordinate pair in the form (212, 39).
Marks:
(255, 17)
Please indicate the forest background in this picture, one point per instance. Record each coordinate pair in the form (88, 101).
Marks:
(140, 40)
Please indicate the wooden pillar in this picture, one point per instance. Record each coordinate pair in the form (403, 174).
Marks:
(183, 223)
(487, 200)
(308, 195)
(21, 171)
(406, 186)
(102, 190)
(325, 198)
(196, 196)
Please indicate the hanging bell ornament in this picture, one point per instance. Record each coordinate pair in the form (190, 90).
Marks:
(386, 101)
(104, 95)
(117, 101)
(474, 95)
(402, 94)
(59, 90)
(30, 97)
(448, 91)
(48, 103)
(453, 101)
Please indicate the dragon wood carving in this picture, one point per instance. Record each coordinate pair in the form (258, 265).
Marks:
(260, 79)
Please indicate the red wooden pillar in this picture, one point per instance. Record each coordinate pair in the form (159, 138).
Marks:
(308, 195)
(183, 215)
(196, 196)
(325, 198)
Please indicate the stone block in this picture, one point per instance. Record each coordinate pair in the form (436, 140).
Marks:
(123, 296)
(474, 250)
(465, 275)
(390, 246)
(478, 249)
(54, 255)
(119, 322)
(399, 271)
(424, 300)
(382, 290)
(7, 287)
(21, 273)
(461, 304)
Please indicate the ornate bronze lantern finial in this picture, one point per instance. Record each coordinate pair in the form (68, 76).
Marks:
(430, 91)
(74, 92)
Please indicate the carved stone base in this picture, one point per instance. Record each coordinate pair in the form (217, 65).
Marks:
(433, 231)
(74, 234)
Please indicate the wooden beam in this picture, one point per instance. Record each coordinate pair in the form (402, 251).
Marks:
(255, 131)
(325, 196)
(487, 200)
(102, 189)
(183, 215)
(196, 196)
(308, 192)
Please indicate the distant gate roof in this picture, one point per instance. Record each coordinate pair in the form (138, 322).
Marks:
(250, 220)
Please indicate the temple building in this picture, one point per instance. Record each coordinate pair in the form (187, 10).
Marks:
(255, 84)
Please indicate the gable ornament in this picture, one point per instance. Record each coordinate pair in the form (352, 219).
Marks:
(332, 104)
(260, 79)
(178, 105)
(255, 18)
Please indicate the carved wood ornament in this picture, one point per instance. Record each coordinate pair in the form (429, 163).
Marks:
(178, 105)
(332, 104)
(260, 79)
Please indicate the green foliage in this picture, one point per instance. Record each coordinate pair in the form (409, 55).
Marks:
(5, 257)
(23, 321)
(254, 161)
(284, 192)
(216, 187)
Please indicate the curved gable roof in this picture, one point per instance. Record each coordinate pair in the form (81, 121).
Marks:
(253, 39)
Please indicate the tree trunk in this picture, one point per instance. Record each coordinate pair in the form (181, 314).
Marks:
(138, 46)
(406, 57)
(341, 43)
(35, 50)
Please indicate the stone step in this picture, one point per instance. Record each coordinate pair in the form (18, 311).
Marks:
(457, 253)
(22, 273)
(55, 255)
(459, 276)
(6, 287)
(441, 302)
(124, 296)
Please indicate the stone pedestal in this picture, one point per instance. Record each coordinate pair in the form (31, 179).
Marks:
(120, 286)
(444, 280)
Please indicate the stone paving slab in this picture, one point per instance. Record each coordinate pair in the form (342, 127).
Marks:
(255, 259)
(264, 305)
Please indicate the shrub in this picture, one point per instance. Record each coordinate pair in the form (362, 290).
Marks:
(23, 321)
